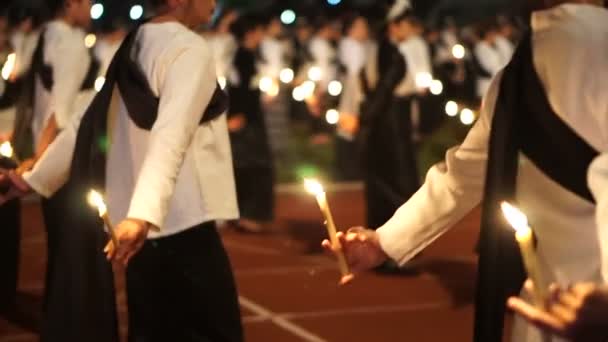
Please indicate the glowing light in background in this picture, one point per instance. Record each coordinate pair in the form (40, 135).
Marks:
(334, 2)
(99, 82)
(332, 116)
(222, 82)
(436, 87)
(467, 117)
(9, 66)
(288, 17)
(334, 88)
(90, 40)
(315, 73)
(96, 11)
(136, 12)
(458, 51)
(451, 108)
(265, 84)
(423, 80)
(286, 76)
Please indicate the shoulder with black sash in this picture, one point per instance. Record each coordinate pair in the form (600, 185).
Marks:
(524, 122)
(88, 164)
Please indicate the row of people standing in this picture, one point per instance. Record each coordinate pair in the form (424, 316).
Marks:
(53, 77)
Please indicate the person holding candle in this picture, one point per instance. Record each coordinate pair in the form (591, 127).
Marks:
(577, 313)
(557, 79)
(251, 152)
(167, 174)
(58, 84)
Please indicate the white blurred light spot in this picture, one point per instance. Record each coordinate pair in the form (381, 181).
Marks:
(308, 88)
(458, 51)
(436, 87)
(9, 66)
(451, 108)
(265, 84)
(334, 2)
(286, 76)
(332, 116)
(222, 82)
(90, 40)
(99, 82)
(274, 90)
(298, 94)
(315, 73)
(136, 12)
(467, 117)
(423, 80)
(96, 11)
(334, 88)
(288, 17)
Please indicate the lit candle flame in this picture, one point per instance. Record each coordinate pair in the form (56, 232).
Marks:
(313, 187)
(96, 200)
(6, 150)
(517, 219)
(334, 88)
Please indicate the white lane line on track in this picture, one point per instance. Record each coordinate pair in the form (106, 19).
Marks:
(353, 311)
(280, 321)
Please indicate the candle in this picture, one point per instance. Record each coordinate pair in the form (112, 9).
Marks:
(315, 188)
(525, 239)
(96, 200)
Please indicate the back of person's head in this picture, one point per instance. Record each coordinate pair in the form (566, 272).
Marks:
(19, 13)
(244, 25)
(356, 26)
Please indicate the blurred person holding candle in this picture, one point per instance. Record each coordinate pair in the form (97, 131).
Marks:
(58, 84)
(253, 162)
(10, 213)
(167, 173)
(544, 111)
(577, 313)
(354, 57)
(390, 177)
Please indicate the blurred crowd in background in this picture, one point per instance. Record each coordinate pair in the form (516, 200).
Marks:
(300, 83)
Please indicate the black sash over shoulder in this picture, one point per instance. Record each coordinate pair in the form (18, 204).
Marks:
(523, 122)
(88, 164)
(45, 71)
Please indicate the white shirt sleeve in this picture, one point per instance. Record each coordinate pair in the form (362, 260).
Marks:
(450, 191)
(52, 170)
(598, 183)
(489, 58)
(186, 87)
(70, 62)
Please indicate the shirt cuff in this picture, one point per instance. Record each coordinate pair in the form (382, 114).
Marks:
(143, 212)
(37, 184)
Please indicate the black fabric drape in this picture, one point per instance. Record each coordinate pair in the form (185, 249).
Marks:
(523, 122)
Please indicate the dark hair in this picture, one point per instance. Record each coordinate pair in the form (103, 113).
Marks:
(18, 13)
(349, 22)
(157, 3)
(53, 7)
(244, 25)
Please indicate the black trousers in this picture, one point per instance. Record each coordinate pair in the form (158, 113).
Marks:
(255, 192)
(79, 303)
(181, 288)
(9, 253)
(348, 164)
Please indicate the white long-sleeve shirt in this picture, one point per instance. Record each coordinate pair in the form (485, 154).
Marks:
(324, 56)
(505, 49)
(417, 57)
(65, 52)
(570, 45)
(491, 61)
(178, 174)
